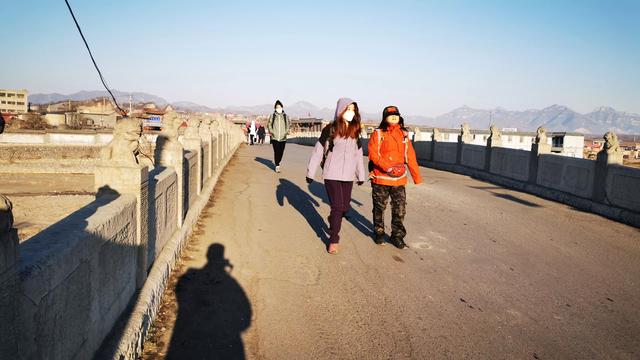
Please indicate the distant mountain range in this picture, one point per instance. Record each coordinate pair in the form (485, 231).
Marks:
(554, 117)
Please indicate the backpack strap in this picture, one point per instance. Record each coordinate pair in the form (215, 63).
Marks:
(406, 146)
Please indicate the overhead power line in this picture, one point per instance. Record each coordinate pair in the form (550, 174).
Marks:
(104, 83)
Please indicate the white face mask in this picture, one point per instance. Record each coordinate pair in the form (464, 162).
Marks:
(279, 110)
(348, 115)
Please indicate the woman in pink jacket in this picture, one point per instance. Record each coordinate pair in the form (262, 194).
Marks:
(339, 153)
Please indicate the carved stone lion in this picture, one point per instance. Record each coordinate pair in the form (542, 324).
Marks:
(496, 135)
(6, 214)
(611, 144)
(168, 148)
(193, 126)
(436, 134)
(125, 146)
(465, 133)
(541, 135)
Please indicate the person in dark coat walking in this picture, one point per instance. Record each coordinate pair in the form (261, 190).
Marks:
(278, 125)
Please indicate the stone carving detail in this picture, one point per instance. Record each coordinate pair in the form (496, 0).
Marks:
(205, 128)
(541, 135)
(6, 214)
(193, 128)
(436, 134)
(496, 135)
(125, 146)
(611, 144)
(168, 148)
(465, 133)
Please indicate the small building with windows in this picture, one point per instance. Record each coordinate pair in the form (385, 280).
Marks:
(569, 144)
(14, 101)
(308, 124)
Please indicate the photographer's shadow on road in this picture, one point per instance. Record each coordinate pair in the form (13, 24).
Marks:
(213, 311)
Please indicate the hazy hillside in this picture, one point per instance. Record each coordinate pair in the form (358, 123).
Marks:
(554, 118)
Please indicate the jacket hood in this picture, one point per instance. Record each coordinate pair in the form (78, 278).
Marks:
(343, 103)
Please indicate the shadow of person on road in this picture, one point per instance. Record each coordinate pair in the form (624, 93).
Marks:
(356, 219)
(305, 204)
(213, 311)
(265, 162)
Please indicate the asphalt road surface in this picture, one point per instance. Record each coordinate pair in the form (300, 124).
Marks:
(490, 273)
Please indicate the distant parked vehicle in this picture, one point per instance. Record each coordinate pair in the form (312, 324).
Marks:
(1, 124)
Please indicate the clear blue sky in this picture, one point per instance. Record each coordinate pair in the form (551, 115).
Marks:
(427, 57)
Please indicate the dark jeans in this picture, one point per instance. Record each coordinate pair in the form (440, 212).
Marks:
(339, 193)
(278, 150)
(380, 195)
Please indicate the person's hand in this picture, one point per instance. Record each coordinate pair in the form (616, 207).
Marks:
(309, 180)
(360, 183)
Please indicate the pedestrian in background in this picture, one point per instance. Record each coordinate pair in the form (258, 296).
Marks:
(252, 131)
(339, 153)
(390, 151)
(261, 134)
(278, 126)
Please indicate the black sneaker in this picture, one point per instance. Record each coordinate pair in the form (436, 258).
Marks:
(379, 239)
(399, 243)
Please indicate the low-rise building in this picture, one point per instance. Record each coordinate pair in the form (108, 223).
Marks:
(14, 101)
(308, 124)
(562, 143)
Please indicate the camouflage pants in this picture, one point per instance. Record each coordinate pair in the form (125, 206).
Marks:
(380, 195)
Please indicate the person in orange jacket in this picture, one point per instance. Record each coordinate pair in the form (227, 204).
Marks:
(390, 152)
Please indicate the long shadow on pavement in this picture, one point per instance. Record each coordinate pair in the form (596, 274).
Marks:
(265, 162)
(305, 204)
(213, 311)
(356, 219)
(506, 196)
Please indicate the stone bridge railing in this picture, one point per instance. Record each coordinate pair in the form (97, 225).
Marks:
(603, 186)
(90, 285)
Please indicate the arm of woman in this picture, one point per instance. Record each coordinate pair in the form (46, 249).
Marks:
(414, 168)
(360, 174)
(314, 161)
(270, 124)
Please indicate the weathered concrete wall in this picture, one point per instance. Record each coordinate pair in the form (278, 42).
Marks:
(473, 156)
(56, 137)
(510, 163)
(578, 182)
(570, 175)
(77, 277)
(12, 153)
(424, 150)
(206, 160)
(8, 290)
(445, 152)
(163, 210)
(623, 187)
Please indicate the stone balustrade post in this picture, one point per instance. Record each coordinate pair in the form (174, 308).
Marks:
(611, 154)
(192, 141)
(119, 171)
(465, 137)
(494, 140)
(9, 284)
(170, 154)
(435, 137)
(206, 136)
(539, 147)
